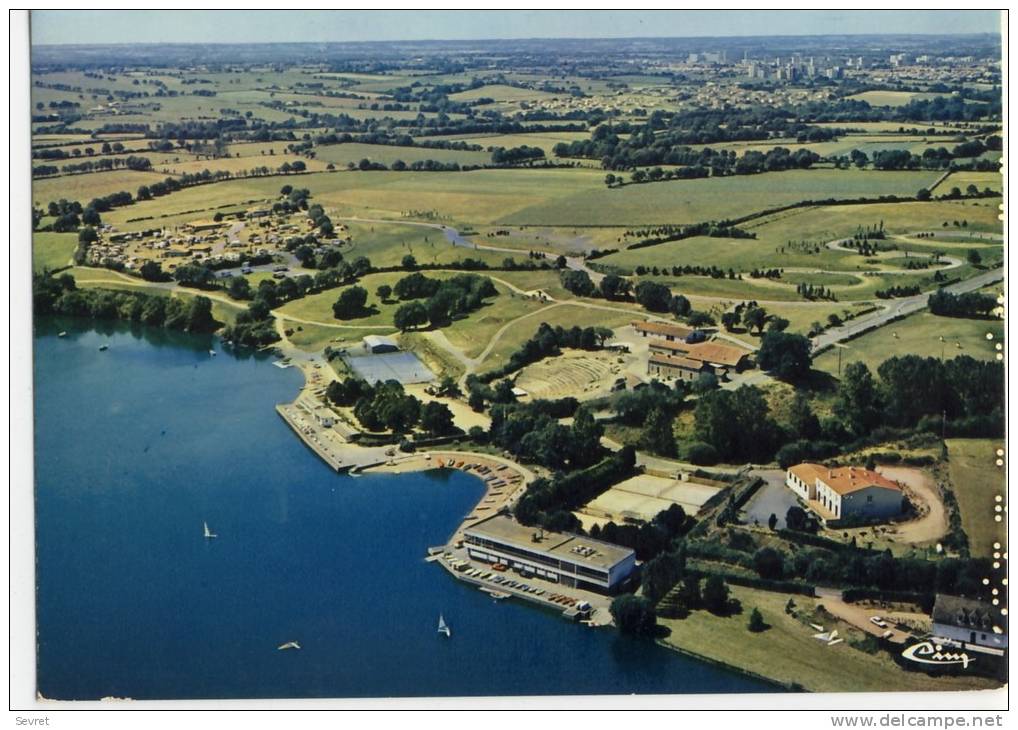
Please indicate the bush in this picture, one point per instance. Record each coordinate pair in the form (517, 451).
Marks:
(701, 454)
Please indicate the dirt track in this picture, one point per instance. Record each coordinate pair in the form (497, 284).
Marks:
(932, 523)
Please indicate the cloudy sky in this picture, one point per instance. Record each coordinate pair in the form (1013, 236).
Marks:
(224, 26)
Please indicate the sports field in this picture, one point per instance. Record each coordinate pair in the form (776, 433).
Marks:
(52, 250)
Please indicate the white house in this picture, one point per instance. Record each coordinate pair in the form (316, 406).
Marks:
(845, 494)
(970, 624)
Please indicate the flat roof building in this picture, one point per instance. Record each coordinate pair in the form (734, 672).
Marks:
(571, 560)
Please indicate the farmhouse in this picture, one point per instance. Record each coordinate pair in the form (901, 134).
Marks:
(845, 494)
(564, 558)
(667, 331)
(969, 624)
(711, 356)
(679, 367)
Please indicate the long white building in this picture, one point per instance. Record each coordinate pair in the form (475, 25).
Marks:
(571, 560)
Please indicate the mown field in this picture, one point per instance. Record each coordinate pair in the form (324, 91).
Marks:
(690, 201)
(978, 482)
(918, 334)
(387, 243)
(89, 185)
(52, 250)
(788, 653)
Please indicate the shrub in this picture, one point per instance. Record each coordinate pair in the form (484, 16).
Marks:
(701, 454)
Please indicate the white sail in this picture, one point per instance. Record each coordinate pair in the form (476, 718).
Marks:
(443, 628)
(208, 533)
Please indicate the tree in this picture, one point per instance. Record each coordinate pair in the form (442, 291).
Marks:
(801, 420)
(609, 179)
(578, 282)
(777, 324)
(973, 257)
(772, 521)
(659, 575)
(730, 320)
(87, 235)
(350, 303)
(384, 291)
(657, 436)
(409, 262)
(634, 615)
(737, 424)
(679, 306)
(614, 287)
(785, 354)
(857, 405)
(756, 621)
(410, 315)
(715, 595)
(152, 271)
(436, 418)
(755, 317)
(796, 518)
(923, 194)
(768, 563)
(699, 319)
(653, 296)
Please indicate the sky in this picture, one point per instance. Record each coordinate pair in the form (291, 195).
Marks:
(201, 26)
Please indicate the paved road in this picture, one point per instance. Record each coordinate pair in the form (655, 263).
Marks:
(899, 308)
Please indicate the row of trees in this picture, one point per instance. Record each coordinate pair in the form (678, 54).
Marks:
(60, 295)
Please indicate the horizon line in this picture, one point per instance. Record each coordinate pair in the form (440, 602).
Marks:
(997, 34)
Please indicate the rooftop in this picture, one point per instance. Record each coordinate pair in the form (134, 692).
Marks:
(844, 479)
(679, 362)
(966, 612)
(663, 328)
(575, 548)
(715, 352)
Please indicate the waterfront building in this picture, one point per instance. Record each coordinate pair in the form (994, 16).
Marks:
(571, 560)
(845, 494)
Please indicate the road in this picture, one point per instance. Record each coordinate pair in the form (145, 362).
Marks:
(898, 308)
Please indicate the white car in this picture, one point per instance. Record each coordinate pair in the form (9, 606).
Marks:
(878, 621)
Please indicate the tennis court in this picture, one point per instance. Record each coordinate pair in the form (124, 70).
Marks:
(404, 367)
(643, 496)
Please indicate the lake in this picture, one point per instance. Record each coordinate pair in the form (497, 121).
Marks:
(139, 445)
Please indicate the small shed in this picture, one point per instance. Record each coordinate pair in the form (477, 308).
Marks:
(378, 344)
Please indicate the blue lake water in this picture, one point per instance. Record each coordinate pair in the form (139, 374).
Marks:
(138, 445)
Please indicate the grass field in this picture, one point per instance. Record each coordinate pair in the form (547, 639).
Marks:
(545, 140)
(566, 315)
(501, 92)
(891, 98)
(85, 187)
(472, 334)
(920, 335)
(963, 178)
(387, 243)
(977, 482)
(788, 653)
(689, 201)
(52, 250)
(317, 308)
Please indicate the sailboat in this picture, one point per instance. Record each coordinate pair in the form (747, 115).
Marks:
(288, 645)
(443, 627)
(208, 533)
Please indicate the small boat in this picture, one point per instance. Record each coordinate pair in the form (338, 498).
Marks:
(212, 353)
(443, 627)
(103, 348)
(61, 334)
(208, 533)
(288, 645)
